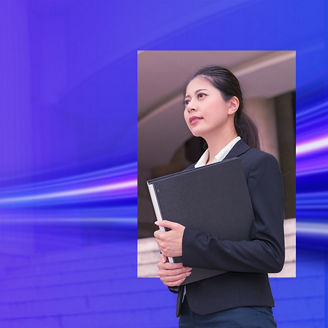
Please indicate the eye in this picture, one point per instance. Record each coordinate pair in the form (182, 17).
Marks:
(201, 95)
(186, 102)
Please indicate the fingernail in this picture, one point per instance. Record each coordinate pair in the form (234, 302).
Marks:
(188, 274)
(156, 222)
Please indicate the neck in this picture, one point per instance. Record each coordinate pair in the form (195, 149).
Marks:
(218, 140)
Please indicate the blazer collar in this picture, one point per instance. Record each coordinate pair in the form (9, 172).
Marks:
(238, 149)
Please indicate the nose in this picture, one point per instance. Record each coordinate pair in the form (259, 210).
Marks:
(191, 106)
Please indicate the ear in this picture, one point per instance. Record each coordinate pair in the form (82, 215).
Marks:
(233, 105)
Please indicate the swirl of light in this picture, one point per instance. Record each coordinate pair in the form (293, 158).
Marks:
(311, 172)
(93, 197)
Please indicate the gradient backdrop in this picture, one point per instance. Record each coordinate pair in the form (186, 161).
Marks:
(68, 153)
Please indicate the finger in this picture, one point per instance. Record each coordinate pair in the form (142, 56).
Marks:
(188, 268)
(174, 284)
(157, 234)
(177, 277)
(171, 272)
(177, 270)
(158, 244)
(174, 278)
(167, 224)
(170, 266)
(161, 247)
(163, 258)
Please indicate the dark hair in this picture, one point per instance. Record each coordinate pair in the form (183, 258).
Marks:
(222, 79)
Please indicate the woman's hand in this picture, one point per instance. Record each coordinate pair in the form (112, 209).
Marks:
(170, 242)
(172, 274)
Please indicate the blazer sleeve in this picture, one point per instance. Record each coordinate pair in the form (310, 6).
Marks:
(264, 251)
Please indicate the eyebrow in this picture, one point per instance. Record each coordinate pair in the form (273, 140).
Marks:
(195, 92)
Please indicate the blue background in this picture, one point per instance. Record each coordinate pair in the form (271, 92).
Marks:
(68, 153)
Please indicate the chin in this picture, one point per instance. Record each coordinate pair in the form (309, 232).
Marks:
(197, 132)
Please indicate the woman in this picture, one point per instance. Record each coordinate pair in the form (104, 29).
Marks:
(241, 297)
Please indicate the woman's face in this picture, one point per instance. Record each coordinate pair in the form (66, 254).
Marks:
(205, 109)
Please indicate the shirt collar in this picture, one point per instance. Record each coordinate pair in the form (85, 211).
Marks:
(220, 155)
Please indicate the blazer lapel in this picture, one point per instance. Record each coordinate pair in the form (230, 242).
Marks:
(238, 149)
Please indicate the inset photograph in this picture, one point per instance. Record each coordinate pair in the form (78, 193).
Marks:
(200, 111)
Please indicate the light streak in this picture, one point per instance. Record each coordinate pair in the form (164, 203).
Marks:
(312, 146)
(319, 109)
(92, 177)
(44, 220)
(310, 228)
(75, 192)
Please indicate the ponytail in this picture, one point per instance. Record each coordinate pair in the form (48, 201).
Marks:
(246, 129)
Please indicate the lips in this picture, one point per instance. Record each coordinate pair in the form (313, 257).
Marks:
(194, 120)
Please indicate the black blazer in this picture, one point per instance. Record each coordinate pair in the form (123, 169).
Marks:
(248, 261)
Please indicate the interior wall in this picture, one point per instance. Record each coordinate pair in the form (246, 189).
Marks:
(286, 139)
(262, 112)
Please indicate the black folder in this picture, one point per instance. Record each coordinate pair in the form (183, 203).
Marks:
(213, 198)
